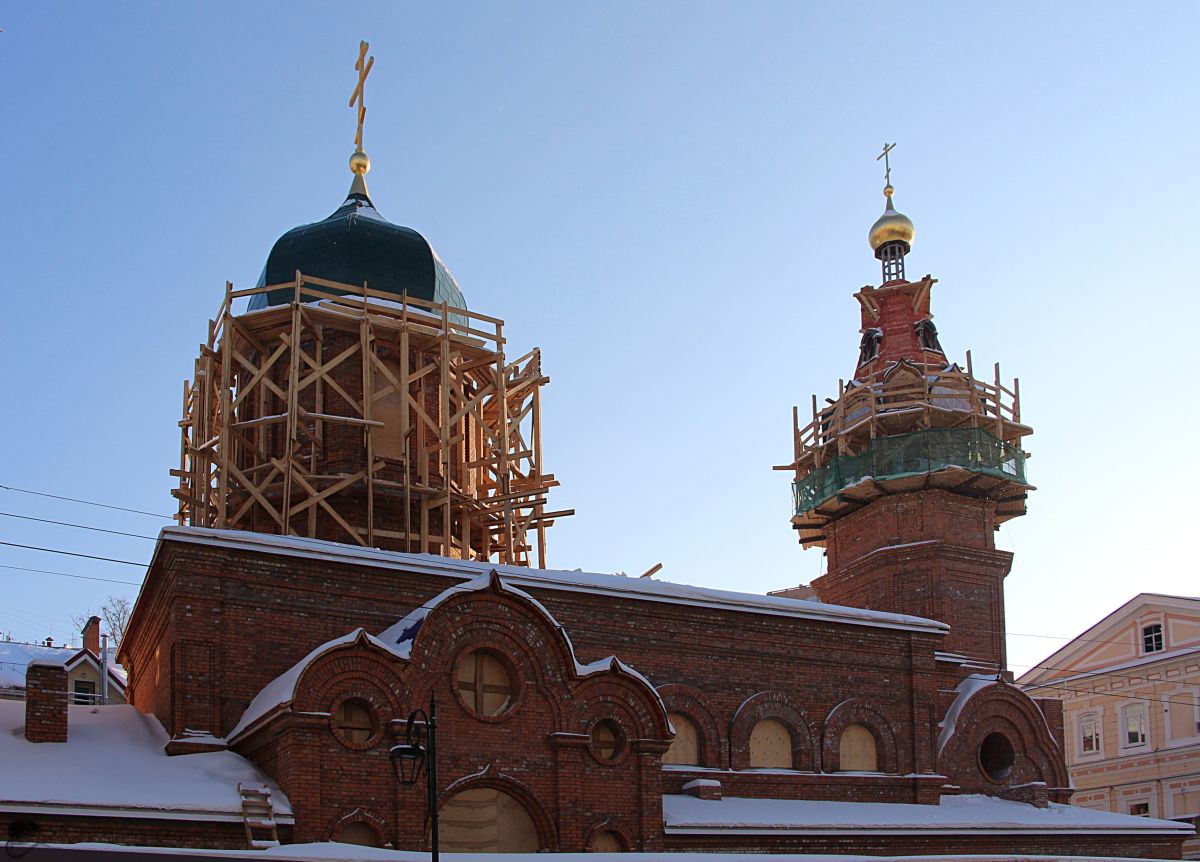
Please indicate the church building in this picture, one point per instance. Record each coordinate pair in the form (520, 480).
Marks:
(362, 536)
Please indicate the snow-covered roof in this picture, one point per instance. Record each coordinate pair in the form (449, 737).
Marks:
(954, 814)
(16, 657)
(113, 765)
(638, 589)
(966, 689)
(282, 689)
(398, 640)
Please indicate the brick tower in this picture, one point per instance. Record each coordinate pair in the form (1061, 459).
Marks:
(906, 475)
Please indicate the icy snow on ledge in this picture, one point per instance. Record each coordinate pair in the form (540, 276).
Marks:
(973, 814)
(113, 764)
(638, 589)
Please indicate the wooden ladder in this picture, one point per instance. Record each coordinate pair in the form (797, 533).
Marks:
(258, 815)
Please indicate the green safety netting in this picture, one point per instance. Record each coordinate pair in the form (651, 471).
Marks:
(908, 455)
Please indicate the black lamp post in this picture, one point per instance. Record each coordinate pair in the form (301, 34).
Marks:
(420, 746)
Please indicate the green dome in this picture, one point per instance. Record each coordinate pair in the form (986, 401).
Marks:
(354, 245)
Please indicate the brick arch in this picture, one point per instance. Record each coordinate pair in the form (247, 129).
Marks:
(776, 706)
(855, 711)
(537, 811)
(356, 669)
(496, 618)
(610, 824)
(689, 702)
(360, 815)
(435, 668)
(1006, 709)
(616, 692)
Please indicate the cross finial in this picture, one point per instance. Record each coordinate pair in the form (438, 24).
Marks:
(887, 163)
(363, 67)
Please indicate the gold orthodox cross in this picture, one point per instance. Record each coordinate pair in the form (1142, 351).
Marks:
(363, 67)
(887, 148)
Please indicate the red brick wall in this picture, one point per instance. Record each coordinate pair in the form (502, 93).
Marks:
(928, 553)
(240, 618)
(46, 703)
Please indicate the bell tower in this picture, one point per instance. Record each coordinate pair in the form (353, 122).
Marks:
(352, 396)
(905, 476)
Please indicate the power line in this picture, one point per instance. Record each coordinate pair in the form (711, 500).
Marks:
(69, 575)
(77, 526)
(72, 554)
(85, 502)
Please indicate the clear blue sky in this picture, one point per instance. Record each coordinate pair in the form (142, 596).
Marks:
(671, 199)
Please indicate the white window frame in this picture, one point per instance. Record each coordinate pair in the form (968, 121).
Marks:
(1126, 711)
(1161, 633)
(1096, 715)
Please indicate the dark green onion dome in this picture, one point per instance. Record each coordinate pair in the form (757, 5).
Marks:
(357, 244)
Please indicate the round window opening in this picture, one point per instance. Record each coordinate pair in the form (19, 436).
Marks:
(607, 740)
(485, 684)
(996, 756)
(355, 720)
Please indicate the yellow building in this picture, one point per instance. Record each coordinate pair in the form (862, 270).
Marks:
(1130, 687)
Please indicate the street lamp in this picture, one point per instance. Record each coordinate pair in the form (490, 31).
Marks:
(420, 748)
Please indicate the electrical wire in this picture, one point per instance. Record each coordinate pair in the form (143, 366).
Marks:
(77, 526)
(85, 502)
(69, 575)
(72, 554)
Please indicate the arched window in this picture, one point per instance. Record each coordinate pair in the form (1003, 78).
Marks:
(486, 820)
(484, 683)
(359, 833)
(606, 842)
(856, 751)
(685, 749)
(770, 746)
(354, 720)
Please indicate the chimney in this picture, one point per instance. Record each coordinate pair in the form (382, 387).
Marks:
(45, 701)
(91, 635)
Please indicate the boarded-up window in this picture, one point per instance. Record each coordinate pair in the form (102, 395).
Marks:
(606, 842)
(485, 820)
(685, 749)
(355, 721)
(359, 833)
(856, 751)
(770, 746)
(484, 683)
(607, 740)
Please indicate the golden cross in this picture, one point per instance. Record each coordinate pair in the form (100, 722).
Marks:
(887, 174)
(363, 67)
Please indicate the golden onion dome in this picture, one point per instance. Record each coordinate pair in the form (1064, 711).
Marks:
(892, 226)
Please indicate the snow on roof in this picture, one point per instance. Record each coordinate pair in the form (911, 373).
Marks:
(966, 689)
(113, 764)
(16, 657)
(970, 813)
(398, 640)
(638, 589)
(282, 689)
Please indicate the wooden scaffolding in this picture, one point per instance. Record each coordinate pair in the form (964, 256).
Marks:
(901, 428)
(359, 416)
